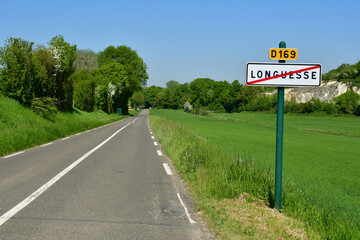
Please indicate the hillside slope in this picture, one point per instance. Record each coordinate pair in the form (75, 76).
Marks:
(21, 128)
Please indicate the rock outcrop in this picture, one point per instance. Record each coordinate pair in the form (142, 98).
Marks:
(325, 92)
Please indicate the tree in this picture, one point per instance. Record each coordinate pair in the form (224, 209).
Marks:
(348, 102)
(201, 92)
(129, 74)
(44, 82)
(150, 94)
(64, 56)
(17, 71)
(137, 99)
(86, 60)
(84, 91)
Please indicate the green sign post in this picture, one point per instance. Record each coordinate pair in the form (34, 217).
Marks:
(282, 75)
(279, 140)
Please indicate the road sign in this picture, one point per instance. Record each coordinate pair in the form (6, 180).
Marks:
(283, 75)
(283, 53)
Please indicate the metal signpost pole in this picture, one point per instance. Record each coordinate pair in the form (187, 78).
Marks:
(279, 140)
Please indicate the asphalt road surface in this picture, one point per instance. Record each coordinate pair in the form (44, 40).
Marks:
(111, 182)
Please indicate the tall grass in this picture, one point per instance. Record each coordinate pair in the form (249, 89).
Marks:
(21, 128)
(214, 175)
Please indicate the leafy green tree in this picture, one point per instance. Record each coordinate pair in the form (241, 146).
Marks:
(182, 95)
(86, 60)
(84, 91)
(348, 102)
(112, 79)
(150, 94)
(172, 84)
(125, 73)
(137, 99)
(17, 70)
(44, 79)
(64, 55)
(201, 92)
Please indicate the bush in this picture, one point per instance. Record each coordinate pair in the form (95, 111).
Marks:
(44, 106)
(348, 102)
(188, 107)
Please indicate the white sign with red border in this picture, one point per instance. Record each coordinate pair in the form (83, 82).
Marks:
(283, 74)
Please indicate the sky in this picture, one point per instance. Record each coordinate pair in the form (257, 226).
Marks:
(188, 39)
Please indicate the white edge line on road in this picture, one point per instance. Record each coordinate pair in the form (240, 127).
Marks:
(65, 138)
(9, 214)
(186, 211)
(155, 143)
(46, 144)
(159, 152)
(152, 137)
(148, 123)
(167, 169)
(14, 154)
(77, 134)
(151, 133)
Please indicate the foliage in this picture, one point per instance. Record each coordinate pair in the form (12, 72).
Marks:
(86, 60)
(345, 73)
(45, 106)
(207, 95)
(17, 72)
(188, 107)
(123, 72)
(150, 95)
(43, 73)
(84, 91)
(44, 79)
(137, 99)
(64, 55)
(348, 103)
(72, 77)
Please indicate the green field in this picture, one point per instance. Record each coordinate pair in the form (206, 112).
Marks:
(321, 153)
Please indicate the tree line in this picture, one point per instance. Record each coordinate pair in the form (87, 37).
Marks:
(60, 77)
(345, 73)
(204, 95)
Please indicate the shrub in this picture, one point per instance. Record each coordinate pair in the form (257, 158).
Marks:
(44, 106)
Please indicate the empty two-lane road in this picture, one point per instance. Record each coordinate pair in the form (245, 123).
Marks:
(108, 183)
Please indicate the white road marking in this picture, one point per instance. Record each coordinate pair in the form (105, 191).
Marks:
(159, 152)
(152, 137)
(77, 134)
(87, 131)
(14, 154)
(65, 138)
(46, 144)
(187, 213)
(148, 123)
(167, 169)
(155, 143)
(43, 188)
(151, 133)
(135, 119)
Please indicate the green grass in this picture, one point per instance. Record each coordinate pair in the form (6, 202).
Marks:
(321, 158)
(21, 128)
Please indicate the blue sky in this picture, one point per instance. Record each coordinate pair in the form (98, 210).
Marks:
(184, 40)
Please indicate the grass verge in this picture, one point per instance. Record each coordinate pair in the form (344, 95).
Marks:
(219, 182)
(21, 128)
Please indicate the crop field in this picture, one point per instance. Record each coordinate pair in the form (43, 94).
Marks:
(321, 153)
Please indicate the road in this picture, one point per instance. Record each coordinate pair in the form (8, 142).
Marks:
(108, 183)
